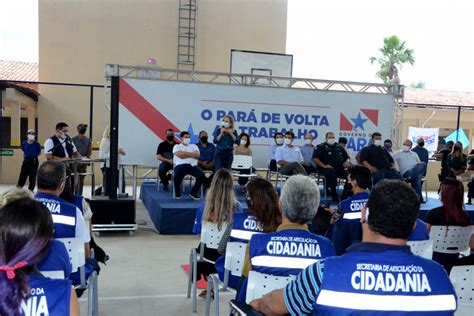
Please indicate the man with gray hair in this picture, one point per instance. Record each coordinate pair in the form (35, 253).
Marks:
(292, 247)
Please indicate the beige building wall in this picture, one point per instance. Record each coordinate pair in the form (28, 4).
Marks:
(78, 37)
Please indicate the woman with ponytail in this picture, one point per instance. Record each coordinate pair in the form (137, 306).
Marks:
(26, 228)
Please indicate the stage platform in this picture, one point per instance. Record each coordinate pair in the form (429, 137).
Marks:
(176, 217)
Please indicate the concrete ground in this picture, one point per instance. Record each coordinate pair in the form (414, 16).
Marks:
(144, 274)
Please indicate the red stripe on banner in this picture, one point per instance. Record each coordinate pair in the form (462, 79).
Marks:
(144, 110)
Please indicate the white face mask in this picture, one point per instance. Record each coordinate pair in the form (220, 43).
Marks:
(225, 124)
(243, 142)
(287, 141)
(186, 141)
(378, 142)
(331, 141)
(279, 141)
(405, 148)
(31, 137)
(308, 141)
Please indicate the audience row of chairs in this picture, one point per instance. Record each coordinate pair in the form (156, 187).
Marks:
(449, 240)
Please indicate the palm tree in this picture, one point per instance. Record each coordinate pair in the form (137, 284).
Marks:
(394, 54)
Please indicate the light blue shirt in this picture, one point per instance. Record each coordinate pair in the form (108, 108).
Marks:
(288, 154)
(272, 151)
(307, 153)
(406, 160)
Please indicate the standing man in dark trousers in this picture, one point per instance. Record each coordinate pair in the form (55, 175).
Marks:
(84, 147)
(164, 153)
(31, 150)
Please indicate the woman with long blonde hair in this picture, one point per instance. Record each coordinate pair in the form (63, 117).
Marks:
(219, 208)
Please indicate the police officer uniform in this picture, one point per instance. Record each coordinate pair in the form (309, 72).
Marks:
(376, 279)
(335, 156)
(348, 229)
(48, 296)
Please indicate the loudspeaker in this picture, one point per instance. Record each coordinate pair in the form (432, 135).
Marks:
(107, 211)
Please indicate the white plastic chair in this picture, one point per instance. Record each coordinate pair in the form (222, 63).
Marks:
(259, 284)
(462, 278)
(422, 248)
(233, 264)
(451, 239)
(241, 163)
(75, 248)
(211, 235)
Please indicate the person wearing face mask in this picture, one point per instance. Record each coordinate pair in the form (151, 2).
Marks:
(164, 153)
(31, 150)
(332, 161)
(225, 136)
(457, 161)
(411, 168)
(84, 147)
(243, 149)
(422, 152)
(348, 229)
(289, 157)
(185, 158)
(278, 139)
(207, 151)
(387, 144)
(351, 153)
(59, 146)
(378, 160)
(307, 151)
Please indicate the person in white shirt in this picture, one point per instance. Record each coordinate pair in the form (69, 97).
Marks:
(185, 159)
(289, 157)
(104, 153)
(60, 146)
(410, 166)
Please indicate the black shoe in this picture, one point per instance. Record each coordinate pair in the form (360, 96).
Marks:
(177, 195)
(165, 188)
(195, 196)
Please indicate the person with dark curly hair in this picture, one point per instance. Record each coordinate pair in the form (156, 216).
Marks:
(378, 276)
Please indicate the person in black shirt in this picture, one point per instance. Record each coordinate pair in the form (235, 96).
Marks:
(378, 160)
(333, 161)
(443, 154)
(470, 185)
(164, 153)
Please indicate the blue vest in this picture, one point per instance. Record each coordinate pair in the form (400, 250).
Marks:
(244, 226)
(353, 205)
(48, 297)
(288, 251)
(63, 213)
(388, 282)
(420, 232)
(56, 259)
(58, 149)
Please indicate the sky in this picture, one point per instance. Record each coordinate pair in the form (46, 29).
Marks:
(331, 39)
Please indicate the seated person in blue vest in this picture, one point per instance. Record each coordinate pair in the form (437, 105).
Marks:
(57, 257)
(422, 152)
(60, 146)
(26, 228)
(411, 168)
(332, 161)
(289, 157)
(185, 157)
(164, 153)
(243, 149)
(207, 153)
(378, 276)
(307, 150)
(68, 219)
(225, 136)
(263, 216)
(292, 247)
(348, 229)
(31, 150)
(378, 160)
(221, 203)
(278, 139)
